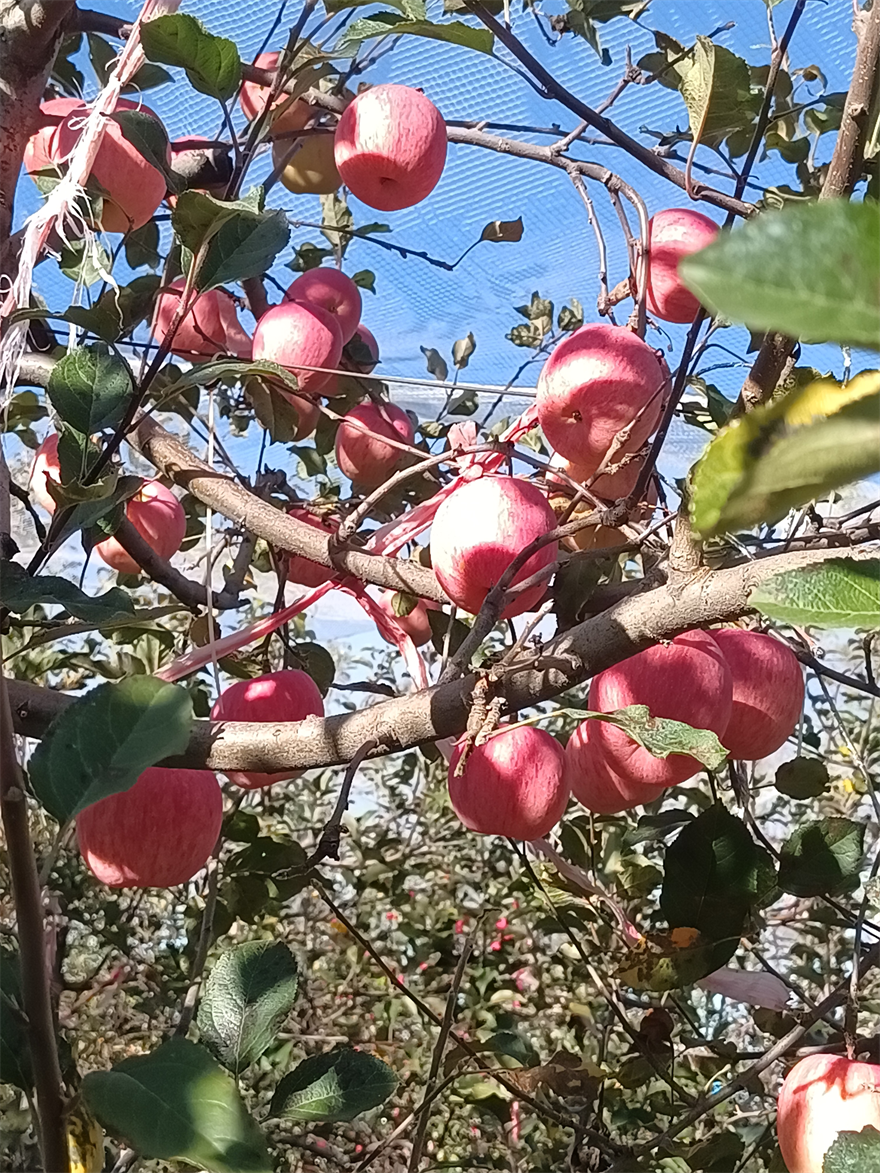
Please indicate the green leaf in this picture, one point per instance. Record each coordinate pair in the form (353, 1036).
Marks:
(841, 592)
(315, 660)
(142, 246)
(365, 279)
(338, 1085)
(249, 993)
(822, 858)
(383, 24)
(786, 453)
(105, 504)
(809, 270)
(212, 63)
(197, 216)
(717, 91)
(711, 879)
(104, 741)
(89, 388)
(441, 623)
(245, 246)
(178, 1104)
(15, 1055)
(497, 231)
(854, 1152)
(85, 261)
(149, 138)
(19, 591)
(661, 736)
(802, 778)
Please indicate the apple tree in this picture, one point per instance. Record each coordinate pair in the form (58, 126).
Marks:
(573, 863)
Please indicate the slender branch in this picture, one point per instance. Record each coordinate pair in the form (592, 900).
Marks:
(28, 900)
(191, 593)
(328, 844)
(552, 89)
(206, 927)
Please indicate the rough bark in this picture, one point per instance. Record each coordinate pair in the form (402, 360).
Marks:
(30, 31)
(442, 711)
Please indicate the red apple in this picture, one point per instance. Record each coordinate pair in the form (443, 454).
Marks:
(514, 784)
(361, 451)
(595, 383)
(416, 624)
(820, 1097)
(253, 100)
(290, 695)
(155, 835)
(45, 467)
(211, 327)
(303, 570)
(674, 234)
(478, 531)
(686, 680)
(768, 693)
(391, 147)
(293, 333)
(158, 517)
(333, 292)
(136, 188)
(594, 783)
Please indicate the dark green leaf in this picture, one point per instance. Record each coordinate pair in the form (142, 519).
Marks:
(19, 591)
(809, 270)
(711, 879)
(782, 455)
(249, 993)
(212, 63)
(435, 363)
(365, 279)
(103, 742)
(838, 593)
(197, 216)
(823, 858)
(245, 246)
(104, 505)
(497, 231)
(383, 24)
(802, 778)
(178, 1104)
(338, 1085)
(318, 663)
(89, 388)
(15, 1056)
(854, 1152)
(142, 246)
(441, 623)
(148, 137)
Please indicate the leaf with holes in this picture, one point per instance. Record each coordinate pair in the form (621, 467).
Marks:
(841, 592)
(212, 63)
(336, 1086)
(104, 741)
(661, 736)
(822, 858)
(249, 993)
(177, 1103)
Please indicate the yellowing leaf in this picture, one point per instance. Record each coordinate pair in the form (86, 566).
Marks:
(796, 449)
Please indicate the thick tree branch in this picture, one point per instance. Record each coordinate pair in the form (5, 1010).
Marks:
(30, 31)
(226, 496)
(843, 173)
(442, 711)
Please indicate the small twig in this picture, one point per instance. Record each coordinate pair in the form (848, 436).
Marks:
(206, 928)
(328, 844)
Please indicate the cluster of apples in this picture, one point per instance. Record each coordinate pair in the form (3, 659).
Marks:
(744, 686)
(388, 147)
(163, 830)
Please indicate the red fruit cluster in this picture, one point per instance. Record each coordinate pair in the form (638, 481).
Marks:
(744, 686)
